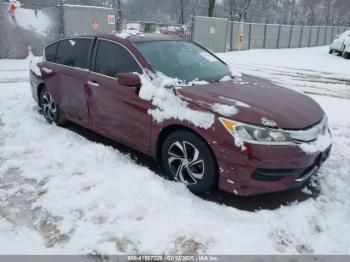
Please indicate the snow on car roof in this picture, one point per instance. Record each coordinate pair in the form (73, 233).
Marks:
(143, 37)
(136, 36)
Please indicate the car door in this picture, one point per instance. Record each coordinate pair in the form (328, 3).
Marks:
(115, 110)
(66, 78)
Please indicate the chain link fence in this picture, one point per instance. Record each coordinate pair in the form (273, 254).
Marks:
(281, 36)
(38, 28)
(221, 35)
(217, 34)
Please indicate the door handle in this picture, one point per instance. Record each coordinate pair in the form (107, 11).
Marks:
(47, 70)
(93, 83)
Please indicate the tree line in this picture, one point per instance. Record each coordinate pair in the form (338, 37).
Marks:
(301, 12)
(294, 12)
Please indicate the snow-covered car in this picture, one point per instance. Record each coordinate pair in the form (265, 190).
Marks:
(179, 103)
(341, 45)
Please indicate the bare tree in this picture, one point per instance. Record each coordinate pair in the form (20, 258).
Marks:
(243, 11)
(238, 8)
(116, 5)
(211, 8)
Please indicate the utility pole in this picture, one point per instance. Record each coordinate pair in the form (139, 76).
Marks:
(211, 8)
(116, 5)
(182, 18)
(62, 19)
(243, 12)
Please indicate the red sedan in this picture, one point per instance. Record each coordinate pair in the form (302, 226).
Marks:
(258, 137)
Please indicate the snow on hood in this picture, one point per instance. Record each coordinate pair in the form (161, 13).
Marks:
(234, 72)
(167, 104)
(260, 102)
(268, 122)
(234, 101)
(224, 110)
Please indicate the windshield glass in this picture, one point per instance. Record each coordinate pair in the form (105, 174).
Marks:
(183, 60)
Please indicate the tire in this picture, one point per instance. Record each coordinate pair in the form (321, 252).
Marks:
(331, 51)
(346, 55)
(186, 158)
(49, 108)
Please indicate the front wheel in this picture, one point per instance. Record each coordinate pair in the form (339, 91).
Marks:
(49, 108)
(346, 55)
(331, 51)
(186, 158)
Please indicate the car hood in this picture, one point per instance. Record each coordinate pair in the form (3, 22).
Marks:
(258, 101)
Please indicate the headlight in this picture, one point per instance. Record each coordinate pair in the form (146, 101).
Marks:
(255, 134)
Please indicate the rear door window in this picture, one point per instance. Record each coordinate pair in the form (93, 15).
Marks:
(74, 53)
(113, 58)
(50, 52)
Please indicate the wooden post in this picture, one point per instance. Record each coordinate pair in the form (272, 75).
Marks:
(278, 36)
(290, 36)
(250, 35)
(301, 36)
(265, 29)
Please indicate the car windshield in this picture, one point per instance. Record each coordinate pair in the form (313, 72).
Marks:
(183, 60)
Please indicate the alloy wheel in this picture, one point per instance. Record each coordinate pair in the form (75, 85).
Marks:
(186, 163)
(49, 107)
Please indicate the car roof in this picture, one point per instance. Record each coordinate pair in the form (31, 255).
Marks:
(136, 37)
(151, 37)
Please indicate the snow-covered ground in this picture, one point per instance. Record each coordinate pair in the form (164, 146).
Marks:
(14, 70)
(310, 70)
(63, 194)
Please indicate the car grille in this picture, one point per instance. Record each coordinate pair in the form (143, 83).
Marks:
(301, 174)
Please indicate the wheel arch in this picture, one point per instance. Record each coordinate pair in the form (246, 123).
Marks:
(41, 86)
(176, 127)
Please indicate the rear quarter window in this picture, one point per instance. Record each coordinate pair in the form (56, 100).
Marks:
(74, 52)
(50, 52)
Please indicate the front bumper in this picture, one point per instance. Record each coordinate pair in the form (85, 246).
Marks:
(264, 169)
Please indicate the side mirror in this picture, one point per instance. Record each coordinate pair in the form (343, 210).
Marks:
(129, 79)
(337, 36)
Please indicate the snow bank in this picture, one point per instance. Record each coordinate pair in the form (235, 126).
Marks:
(12, 70)
(86, 198)
(91, 199)
(33, 63)
(168, 105)
(38, 22)
(31, 242)
(126, 33)
(295, 68)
